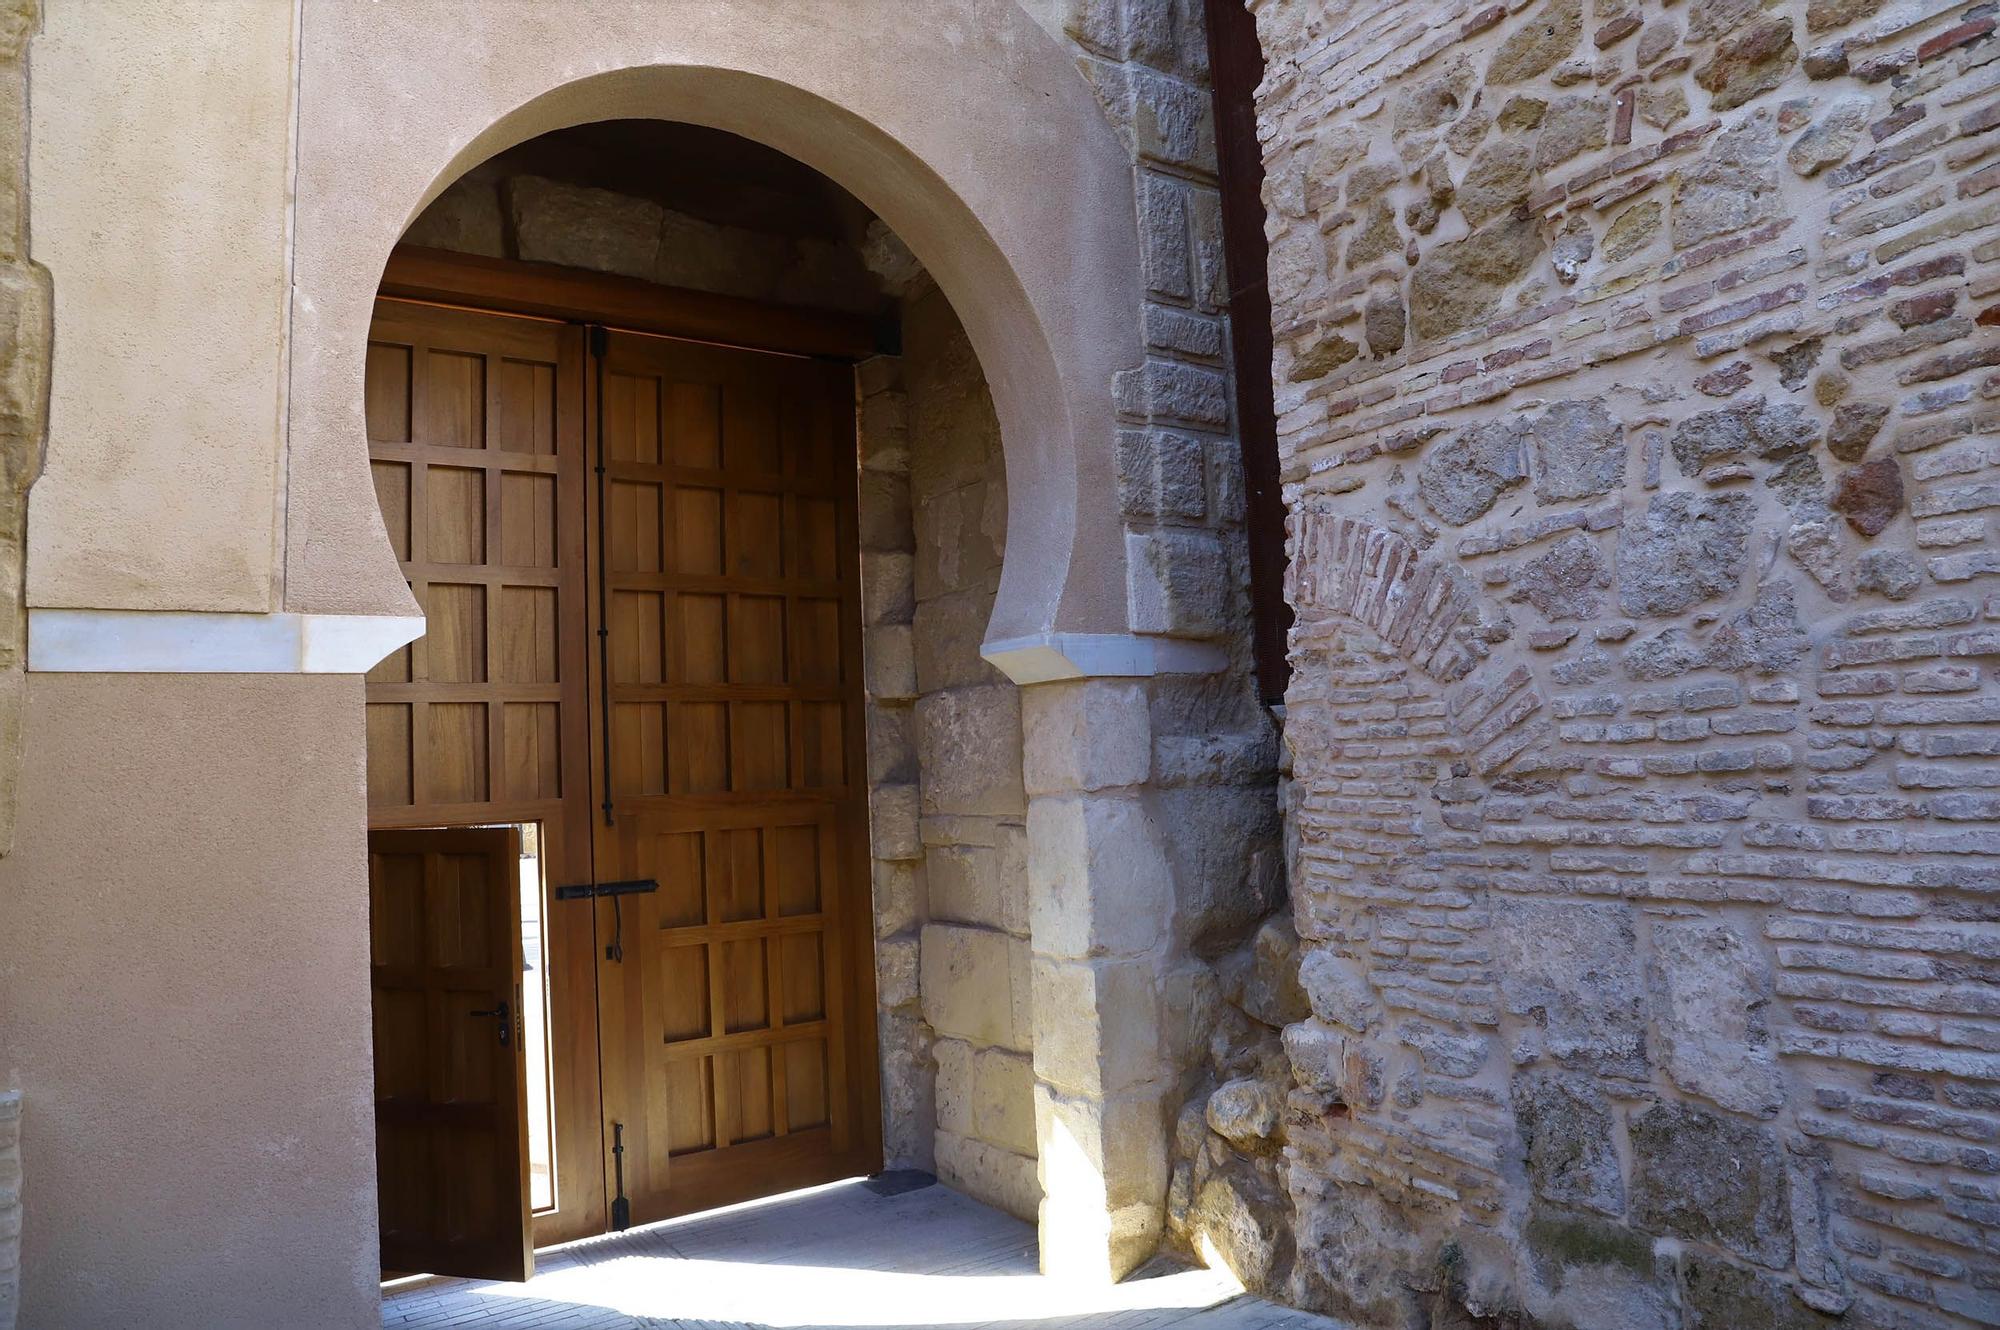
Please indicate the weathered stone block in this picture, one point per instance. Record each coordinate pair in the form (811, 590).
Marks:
(1566, 1129)
(1160, 474)
(949, 630)
(889, 662)
(1573, 968)
(1317, 1053)
(892, 745)
(884, 517)
(466, 219)
(1498, 179)
(1870, 496)
(1177, 582)
(1247, 1112)
(1003, 1100)
(1112, 1150)
(580, 227)
(1262, 979)
(1579, 451)
(1757, 427)
(896, 971)
(1001, 1178)
(1682, 550)
(909, 1113)
(1573, 125)
(1564, 583)
(1733, 186)
(888, 592)
(1097, 877)
(1721, 1296)
(1713, 986)
(898, 892)
(1749, 63)
(1461, 479)
(1214, 837)
(960, 534)
(969, 745)
(1243, 1217)
(980, 884)
(1832, 136)
(893, 822)
(1089, 734)
(1600, 1275)
(1097, 1025)
(1459, 284)
(1542, 37)
(967, 976)
(1708, 1178)
(1338, 991)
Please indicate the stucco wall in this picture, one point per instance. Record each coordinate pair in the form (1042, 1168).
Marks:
(160, 160)
(196, 463)
(185, 988)
(1635, 377)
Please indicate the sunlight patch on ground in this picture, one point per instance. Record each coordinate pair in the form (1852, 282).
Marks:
(802, 1295)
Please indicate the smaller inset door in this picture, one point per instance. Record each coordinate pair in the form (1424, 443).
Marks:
(450, 1070)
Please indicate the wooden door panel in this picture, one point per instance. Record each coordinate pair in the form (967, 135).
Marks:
(475, 426)
(736, 1031)
(450, 1077)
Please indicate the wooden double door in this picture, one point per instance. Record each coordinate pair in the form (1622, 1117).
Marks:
(638, 562)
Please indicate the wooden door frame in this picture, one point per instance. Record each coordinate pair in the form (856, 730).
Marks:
(518, 289)
(574, 295)
(504, 1261)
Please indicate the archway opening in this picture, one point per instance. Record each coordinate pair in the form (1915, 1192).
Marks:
(698, 480)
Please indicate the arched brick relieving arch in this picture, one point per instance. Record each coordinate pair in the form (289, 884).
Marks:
(1347, 570)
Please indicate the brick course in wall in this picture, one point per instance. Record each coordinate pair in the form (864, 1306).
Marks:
(1636, 379)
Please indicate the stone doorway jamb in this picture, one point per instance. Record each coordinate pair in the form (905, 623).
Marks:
(1100, 925)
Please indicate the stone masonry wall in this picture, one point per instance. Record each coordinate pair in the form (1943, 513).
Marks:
(1637, 392)
(1200, 814)
(498, 211)
(973, 968)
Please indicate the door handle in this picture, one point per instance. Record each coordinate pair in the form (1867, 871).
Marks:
(501, 1013)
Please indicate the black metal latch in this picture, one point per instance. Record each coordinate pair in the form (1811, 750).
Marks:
(588, 890)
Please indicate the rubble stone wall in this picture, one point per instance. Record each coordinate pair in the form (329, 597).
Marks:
(1637, 404)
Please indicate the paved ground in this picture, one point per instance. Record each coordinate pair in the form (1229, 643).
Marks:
(837, 1256)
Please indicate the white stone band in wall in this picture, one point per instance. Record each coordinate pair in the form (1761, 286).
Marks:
(1046, 657)
(64, 641)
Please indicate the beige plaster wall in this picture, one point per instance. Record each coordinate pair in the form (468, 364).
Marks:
(933, 125)
(184, 1003)
(160, 156)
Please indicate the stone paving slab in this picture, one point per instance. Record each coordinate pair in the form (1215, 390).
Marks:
(833, 1258)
